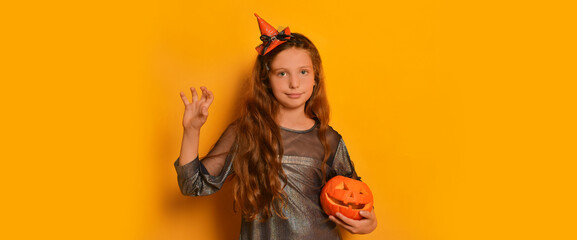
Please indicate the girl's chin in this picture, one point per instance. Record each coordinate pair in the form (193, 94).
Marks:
(292, 106)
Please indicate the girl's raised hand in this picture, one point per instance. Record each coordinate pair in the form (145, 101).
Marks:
(196, 112)
(363, 226)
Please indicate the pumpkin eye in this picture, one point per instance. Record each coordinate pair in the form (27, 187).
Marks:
(342, 186)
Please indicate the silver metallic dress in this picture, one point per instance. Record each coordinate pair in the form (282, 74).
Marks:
(303, 153)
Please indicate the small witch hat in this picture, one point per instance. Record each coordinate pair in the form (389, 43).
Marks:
(270, 37)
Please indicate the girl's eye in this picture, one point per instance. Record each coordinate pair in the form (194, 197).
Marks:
(282, 74)
(304, 72)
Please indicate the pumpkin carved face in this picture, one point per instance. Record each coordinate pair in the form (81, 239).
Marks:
(347, 196)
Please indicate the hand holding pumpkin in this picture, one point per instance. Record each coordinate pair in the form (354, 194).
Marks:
(363, 226)
(349, 203)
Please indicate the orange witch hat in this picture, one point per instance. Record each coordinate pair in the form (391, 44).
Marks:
(270, 37)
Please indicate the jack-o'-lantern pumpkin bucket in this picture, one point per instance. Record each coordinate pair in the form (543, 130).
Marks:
(347, 196)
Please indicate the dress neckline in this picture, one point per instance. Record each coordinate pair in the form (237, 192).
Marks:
(300, 131)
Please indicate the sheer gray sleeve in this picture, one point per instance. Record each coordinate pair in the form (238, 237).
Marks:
(206, 176)
(342, 163)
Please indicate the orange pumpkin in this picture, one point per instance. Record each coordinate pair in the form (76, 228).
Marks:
(347, 196)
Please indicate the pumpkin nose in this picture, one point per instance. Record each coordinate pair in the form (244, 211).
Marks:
(352, 196)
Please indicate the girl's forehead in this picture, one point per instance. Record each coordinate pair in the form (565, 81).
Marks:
(292, 58)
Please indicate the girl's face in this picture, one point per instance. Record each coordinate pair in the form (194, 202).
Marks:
(292, 78)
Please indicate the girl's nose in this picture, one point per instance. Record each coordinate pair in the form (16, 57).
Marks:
(294, 82)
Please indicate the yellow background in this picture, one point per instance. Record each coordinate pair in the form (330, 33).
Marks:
(460, 116)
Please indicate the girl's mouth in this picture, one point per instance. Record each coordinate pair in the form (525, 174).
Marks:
(294, 95)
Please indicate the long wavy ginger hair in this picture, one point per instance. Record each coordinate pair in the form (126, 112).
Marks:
(258, 171)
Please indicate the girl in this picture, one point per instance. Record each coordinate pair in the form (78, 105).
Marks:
(280, 151)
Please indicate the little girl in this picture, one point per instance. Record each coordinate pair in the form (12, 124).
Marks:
(280, 151)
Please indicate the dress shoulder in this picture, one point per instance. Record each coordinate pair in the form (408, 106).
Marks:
(339, 161)
(331, 130)
(333, 137)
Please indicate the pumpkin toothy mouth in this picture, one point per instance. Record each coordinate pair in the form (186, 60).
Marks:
(341, 203)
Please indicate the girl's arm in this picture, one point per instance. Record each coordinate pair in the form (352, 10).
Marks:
(195, 115)
(206, 176)
(196, 178)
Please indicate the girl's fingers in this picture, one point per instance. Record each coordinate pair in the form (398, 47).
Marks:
(194, 95)
(362, 226)
(204, 94)
(205, 99)
(340, 223)
(202, 91)
(184, 99)
(207, 95)
(367, 214)
(346, 220)
(210, 97)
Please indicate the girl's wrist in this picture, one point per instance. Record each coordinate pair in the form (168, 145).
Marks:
(191, 131)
